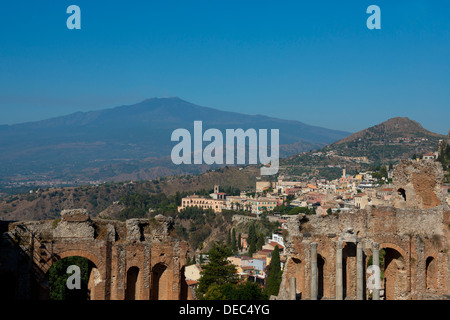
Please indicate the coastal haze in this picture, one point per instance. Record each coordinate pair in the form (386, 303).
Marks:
(128, 142)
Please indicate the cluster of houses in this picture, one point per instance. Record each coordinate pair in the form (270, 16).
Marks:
(248, 268)
(343, 194)
(346, 193)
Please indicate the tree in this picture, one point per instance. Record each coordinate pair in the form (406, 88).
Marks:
(243, 291)
(260, 242)
(214, 292)
(234, 246)
(218, 270)
(252, 239)
(274, 274)
(58, 277)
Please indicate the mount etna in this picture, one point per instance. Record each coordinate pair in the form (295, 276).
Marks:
(130, 142)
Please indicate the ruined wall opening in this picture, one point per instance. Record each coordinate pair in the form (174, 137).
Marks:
(184, 287)
(56, 280)
(394, 275)
(298, 269)
(320, 277)
(160, 284)
(133, 284)
(348, 269)
(430, 274)
(402, 193)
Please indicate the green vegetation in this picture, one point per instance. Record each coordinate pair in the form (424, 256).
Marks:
(232, 242)
(138, 205)
(274, 274)
(243, 291)
(200, 227)
(252, 240)
(58, 279)
(218, 271)
(380, 172)
(219, 281)
(293, 211)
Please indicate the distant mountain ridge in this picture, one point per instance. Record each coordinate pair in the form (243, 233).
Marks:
(100, 144)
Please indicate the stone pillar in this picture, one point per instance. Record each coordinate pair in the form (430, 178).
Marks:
(376, 263)
(292, 290)
(339, 284)
(359, 272)
(314, 271)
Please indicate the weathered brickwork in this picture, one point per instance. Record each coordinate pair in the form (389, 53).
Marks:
(138, 259)
(414, 233)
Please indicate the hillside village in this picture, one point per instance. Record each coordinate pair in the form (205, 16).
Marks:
(272, 200)
(279, 199)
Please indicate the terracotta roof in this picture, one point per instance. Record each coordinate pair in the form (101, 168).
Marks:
(273, 244)
(191, 282)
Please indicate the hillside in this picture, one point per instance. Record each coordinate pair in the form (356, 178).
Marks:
(48, 203)
(128, 142)
(394, 139)
(387, 142)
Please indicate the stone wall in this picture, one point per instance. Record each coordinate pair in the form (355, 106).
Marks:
(414, 233)
(137, 259)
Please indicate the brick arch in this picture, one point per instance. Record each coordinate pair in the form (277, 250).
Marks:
(160, 281)
(296, 267)
(348, 269)
(75, 253)
(395, 277)
(388, 245)
(133, 283)
(323, 276)
(97, 291)
(431, 263)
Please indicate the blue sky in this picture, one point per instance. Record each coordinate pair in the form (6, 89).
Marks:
(312, 61)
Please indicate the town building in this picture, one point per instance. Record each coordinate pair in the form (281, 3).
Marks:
(204, 203)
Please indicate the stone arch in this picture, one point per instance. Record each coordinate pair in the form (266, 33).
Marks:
(430, 274)
(133, 284)
(297, 270)
(387, 245)
(183, 285)
(322, 283)
(160, 284)
(73, 253)
(96, 282)
(348, 269)
(394, 269)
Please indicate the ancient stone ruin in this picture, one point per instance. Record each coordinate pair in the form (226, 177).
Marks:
(329, 256)
(137, 260)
